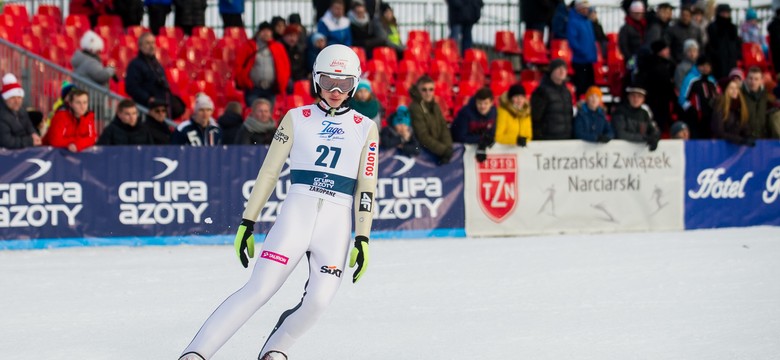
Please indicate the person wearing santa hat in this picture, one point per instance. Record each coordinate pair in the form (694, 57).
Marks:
(16, 129)
(73, 125)
(201, 129)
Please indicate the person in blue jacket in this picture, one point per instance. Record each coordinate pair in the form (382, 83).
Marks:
(335, 26)
(582, 42)
(231, 12)
(475, 123)
(591, 123)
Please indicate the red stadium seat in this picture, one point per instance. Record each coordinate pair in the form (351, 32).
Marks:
(237, 33)
(387, 55)
(224, 53)
(9, 35)
(136, 30)
(50, 10)
(31, 43)
(447, 50)
(9, 21)
(361, 54)
(559, 49)
(73, 32)
(173, 33)
(752, 55)
(109, 34)
(530, 86)
(81, 22)
(48, 22)
(418, 55)
(472, 72)
(203, 86)
(294, 101)
(304, 89)
(501, 64)
(534, 50)
(600, 69)
(206, 33)
(476, 55)
(56, 55)
(118, 88)
(178, 79)
(441, 71)
(168, 45)
(38, 31)
(114, 21)
(531, 75)
(419, 36)
(19, 11)
(500, 87)
(506, 43)
(122, 57)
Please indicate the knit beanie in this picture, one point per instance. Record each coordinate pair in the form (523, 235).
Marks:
(91, 42)
(402, 116)
(689, 44)
(515, 90)
(364, 84)
(556, 64)
(11, 87)
(203, 101)
(594, 90)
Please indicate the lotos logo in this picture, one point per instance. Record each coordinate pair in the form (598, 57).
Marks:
(372, 146)
(370, 160)
(270, 255)
(333, 270)
(358, 119)
(306, 112)
(497, 186)
(710, 185)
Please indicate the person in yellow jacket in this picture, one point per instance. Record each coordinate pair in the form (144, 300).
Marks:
(513, 123)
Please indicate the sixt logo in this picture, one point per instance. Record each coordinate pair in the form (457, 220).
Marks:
(333, 270)
(330, 131)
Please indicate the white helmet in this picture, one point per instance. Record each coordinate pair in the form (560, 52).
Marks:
(341, 63)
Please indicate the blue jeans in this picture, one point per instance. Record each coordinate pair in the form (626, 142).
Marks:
(462, 33)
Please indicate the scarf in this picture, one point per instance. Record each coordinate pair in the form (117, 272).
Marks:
(368, 108)
(640, 25)
(357, 21)
(257, 126)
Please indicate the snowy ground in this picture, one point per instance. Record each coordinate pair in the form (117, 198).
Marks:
(692, 295)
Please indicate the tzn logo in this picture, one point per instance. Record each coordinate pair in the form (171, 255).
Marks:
(772, 186)
(710, 185)
(162, 202)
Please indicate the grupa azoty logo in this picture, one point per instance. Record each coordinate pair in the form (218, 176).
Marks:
(404, 197)
(39, 203)
(163, 201)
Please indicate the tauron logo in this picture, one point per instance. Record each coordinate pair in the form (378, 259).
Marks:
(333, 270)
(270, 255)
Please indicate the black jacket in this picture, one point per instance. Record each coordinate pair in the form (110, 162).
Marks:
(297, 56)
(537, 11)
(390, 138)
(119, 133)
(16, 129)
(462, 12)
(160, 132)
(634, 124)
(551, 111)
(190, 12)
(471, 127)
(248, 137)
(774, 41)
(366, 36)
(146, 79)
(657, 75)
(724, 47)
(230, 122)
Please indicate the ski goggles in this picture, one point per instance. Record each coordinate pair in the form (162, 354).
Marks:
(340, 83)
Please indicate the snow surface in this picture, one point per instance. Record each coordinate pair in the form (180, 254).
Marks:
(710, 294)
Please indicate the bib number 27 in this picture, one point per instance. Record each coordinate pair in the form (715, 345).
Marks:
(329, 156)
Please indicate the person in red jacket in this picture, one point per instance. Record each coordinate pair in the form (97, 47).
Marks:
(91, 8)
(262, 66)
(73, 126)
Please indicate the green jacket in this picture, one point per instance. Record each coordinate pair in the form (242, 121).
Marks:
(757, 106)
(429, 124)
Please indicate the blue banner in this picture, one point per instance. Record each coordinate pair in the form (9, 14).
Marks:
(728, 185)
(166, 194)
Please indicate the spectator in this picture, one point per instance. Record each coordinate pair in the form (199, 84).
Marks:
(399, 134)
(388, 29)
(696, 96)
(296, 53)
(146, 82)
(560, 21)
(189, 14)
(155, 123)
(633, 120)
(158, 11)
(294, 19)
(658, 25)
(598, 32)
(201, 129)
(73, 125)
(321, 7)
(513, 118)
(428, 122)
(262, 67)
(774, 39)
(125, 128)
(751, 30)
(16, 129)
(679, 34)
(626, 5)
(701, 22)
(632, 33)
(680, 131)
(230, 122)
(591, 123)
(63, 100)
(738, 75)
(475, 122)
(462, 15)
(657, 71)
(537, 14)
(259, 127)
(691, 51)
(335, 26)
(278, 24)
(730, 118)
(87, 63)
(131, 12)
(582, 42)
(724, 52)
(317, 42)
(365, 32)
(551, 105)
(36, 118)
(232, 12)
(366, 104)
(757, 102)
(91, 8)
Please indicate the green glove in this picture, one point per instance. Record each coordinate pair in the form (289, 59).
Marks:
(245, 241)
(359, 256)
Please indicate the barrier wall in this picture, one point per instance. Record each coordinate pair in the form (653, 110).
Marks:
(172, 195)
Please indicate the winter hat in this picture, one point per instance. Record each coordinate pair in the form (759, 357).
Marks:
(203, 101)
(594, 90)
(658, 46)
(703, 59)
(677, 127)
(292, 29)
(689, 44)
(91, 42)
(265, 25)
(384, 7)
(637, 7)
(515, 90)
(294, 18)
(66, 88)
(11, 87)
(556, 64)
(581, 3)
(364, 84)
(317, 36)
(402, 116)
(751, 14)
(722, 8)
(737, 73)
(638, 89)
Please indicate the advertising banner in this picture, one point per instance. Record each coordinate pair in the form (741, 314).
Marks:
(574, 186)
(729, 185)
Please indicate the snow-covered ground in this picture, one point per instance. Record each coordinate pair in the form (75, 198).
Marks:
(710, 294)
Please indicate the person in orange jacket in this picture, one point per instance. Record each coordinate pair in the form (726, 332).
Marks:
(266, 75)
(73, 126)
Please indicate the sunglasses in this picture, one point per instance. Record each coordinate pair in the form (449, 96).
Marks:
(161, 110)
(426, 89)
(343, 84)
